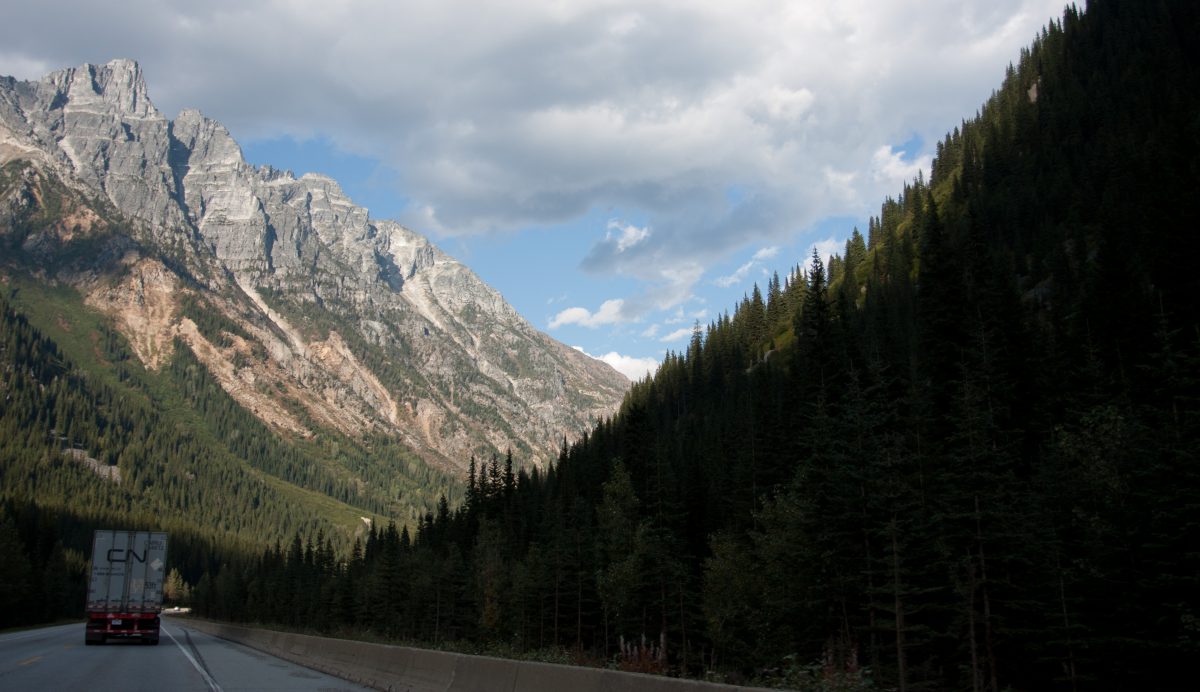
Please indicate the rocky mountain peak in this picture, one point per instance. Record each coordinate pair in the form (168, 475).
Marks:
(205, 139)
(362, 323)
(117, 87)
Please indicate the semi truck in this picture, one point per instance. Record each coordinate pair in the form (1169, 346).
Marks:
(125, 592)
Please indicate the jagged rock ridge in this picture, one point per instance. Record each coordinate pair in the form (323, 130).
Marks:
(361, 324)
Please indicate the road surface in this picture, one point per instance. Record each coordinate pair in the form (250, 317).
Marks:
(55, 658)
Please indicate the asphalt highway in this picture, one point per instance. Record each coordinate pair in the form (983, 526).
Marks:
(55, 658)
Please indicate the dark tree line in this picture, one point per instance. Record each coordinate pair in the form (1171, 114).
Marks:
(41, 578)
(47, 551)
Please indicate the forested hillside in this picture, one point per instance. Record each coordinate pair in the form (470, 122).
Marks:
(102, 442)
(964, 457)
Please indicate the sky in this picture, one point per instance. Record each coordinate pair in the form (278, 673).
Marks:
(619, 171)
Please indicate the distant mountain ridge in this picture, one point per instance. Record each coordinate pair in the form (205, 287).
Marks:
(309, 313)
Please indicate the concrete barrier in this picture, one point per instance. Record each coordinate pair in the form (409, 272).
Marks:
(407, 669)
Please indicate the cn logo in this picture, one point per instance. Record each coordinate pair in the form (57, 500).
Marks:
(118, 555)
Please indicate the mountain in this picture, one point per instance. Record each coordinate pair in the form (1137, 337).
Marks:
(315, 318)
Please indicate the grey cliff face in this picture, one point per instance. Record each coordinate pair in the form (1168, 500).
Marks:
(357, 314)
(100, 126)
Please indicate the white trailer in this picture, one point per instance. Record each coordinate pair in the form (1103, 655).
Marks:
(126, 588)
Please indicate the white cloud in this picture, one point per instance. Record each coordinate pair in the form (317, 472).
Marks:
(609, 313)
(840, 185)
(743, 271)
(766, 253)
(650, 332)
(679, 317)
(736, 277)
(627, 235)
(630, 366)
(677, 335)
(889, 166)
(675, 284)
(825, 248)
(787, 104)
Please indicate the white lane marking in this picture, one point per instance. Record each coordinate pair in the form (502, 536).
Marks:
(212, 684)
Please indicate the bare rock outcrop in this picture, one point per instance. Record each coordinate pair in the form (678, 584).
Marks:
(362, 322)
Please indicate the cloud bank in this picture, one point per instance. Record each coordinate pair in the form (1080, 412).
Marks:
(629, 366)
